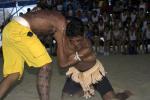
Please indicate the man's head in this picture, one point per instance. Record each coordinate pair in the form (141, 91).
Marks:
(75, 28)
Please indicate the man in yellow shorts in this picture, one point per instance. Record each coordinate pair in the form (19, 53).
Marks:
(20, 44)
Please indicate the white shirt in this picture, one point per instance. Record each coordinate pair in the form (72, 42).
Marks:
(0, 39)
(107, 35)
(116, 33)
(59, 7)
(142, 5)
(132, 36)
(133, 17)
(148, 33)
(84, 19)
(94, 19)
(101, 27)
(123, 17)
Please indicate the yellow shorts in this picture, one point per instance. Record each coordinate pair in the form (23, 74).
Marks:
(18, 48)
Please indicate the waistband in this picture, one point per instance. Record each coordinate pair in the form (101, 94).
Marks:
(21, 21)
(98, 66)
(88, 78)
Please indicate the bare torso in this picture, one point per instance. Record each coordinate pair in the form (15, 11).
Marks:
(44, 22)
(85, 65)
(88, 59)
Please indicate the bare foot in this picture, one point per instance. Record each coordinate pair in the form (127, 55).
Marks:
(124, 95)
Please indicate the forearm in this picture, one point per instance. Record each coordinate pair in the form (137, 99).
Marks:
(84, 52)
(68, 55)
(72, 60)
(61, 55)
(64, 51)
(64, 59)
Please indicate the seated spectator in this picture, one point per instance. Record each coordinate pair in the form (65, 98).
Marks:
(107, 40)
(147, 38)
(132, 41)
(96, 39)
(116, 39)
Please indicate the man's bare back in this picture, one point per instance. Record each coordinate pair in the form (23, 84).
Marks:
(44, 22)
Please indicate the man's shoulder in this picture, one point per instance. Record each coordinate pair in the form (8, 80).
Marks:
(86, 42)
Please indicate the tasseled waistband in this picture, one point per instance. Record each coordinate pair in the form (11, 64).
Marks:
(87, 78)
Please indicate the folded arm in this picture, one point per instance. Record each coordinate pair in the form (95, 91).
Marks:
(64, 54)
(69, 56)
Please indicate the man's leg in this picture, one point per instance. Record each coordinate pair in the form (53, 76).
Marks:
(7, 82)
(71, 88)
(43, 79)
(105, 89)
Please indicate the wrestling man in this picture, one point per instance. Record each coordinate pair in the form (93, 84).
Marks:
(85, 72)
(20, 43)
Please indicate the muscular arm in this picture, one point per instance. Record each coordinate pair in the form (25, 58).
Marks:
(86, 49)
(66, 54)
(64, 59)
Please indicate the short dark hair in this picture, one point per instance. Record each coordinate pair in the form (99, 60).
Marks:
(75, 27)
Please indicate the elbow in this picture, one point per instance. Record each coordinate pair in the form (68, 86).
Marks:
(63, 65)
(67, 63)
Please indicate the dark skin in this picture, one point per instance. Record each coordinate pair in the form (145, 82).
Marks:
(84, 49)
(88, 59)
(66, 52)
(45, 22)
(42, 23)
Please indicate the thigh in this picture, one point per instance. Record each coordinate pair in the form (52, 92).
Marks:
(71, 87)
(103, 86)
(26, 44)
(34, 51)
(13, 62)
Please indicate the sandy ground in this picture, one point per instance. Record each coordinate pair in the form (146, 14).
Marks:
(124, 71)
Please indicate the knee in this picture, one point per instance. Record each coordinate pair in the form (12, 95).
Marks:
(109, 95)
(46, 67)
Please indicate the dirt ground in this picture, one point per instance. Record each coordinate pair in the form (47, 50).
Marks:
(124, 71)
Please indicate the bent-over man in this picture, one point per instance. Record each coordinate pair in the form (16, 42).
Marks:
(86, 73)
(21, 44)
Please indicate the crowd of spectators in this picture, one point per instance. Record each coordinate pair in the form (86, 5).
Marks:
(113, 26)
(120, 27)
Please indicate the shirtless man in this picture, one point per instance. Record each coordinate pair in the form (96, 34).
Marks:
(85, 72)
(21, 44)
